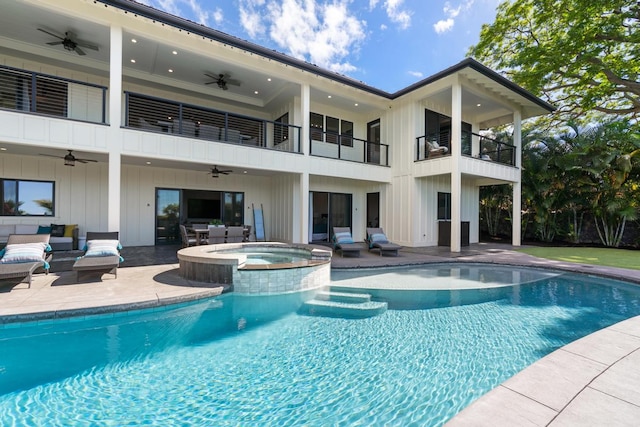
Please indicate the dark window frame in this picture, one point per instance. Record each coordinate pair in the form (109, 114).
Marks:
(444, 206)
(15, 198)
(281, 131)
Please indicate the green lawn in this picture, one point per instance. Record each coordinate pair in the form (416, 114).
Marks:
(597, 256)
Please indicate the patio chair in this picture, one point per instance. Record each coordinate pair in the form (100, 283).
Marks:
(217, 235)
(209, 132)
(376, 239)
(235, 234)
(23, 255)
(343, 242)
(102, 255)
(436, 149)
(188, 239)
(247, 233)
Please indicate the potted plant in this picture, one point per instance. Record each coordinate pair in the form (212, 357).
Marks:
(215, 223)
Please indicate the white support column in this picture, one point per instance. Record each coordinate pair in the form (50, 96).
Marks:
(456, 176)
(115, 120)
(303, 210)
(516, 231)
(305, 105)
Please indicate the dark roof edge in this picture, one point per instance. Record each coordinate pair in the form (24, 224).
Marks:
(199, 29)
(484, 70)
(193, 27)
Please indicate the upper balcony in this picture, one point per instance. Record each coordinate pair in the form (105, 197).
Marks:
(438, 145)
(39, 93)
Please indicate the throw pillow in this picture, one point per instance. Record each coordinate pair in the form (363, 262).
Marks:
(57, 230)
(377, 238)
(68, 230)
(102, 248)
(23, 252)
(44, 229)
(341, 238)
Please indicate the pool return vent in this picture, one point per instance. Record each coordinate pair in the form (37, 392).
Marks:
(343, 304)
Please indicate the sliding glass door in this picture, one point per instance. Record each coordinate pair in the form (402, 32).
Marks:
(328, 210)
(167, 216)
(189, 207)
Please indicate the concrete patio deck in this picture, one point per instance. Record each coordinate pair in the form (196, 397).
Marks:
(591, 382)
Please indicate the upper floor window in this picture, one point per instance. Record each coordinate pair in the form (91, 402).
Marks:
(335, 128)
(26, 198)
(316, 122)
(281, 132)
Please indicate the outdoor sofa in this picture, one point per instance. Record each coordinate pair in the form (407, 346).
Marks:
(63, 237)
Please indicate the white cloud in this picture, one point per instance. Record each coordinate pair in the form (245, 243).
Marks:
(443, 25)
(451, 12)
(417, 74)
(323, 34)
(218, 16)
(397, 14)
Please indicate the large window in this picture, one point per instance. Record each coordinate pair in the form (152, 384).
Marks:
(337, 129)
(281, 132)
(27, 198)
(444, 206)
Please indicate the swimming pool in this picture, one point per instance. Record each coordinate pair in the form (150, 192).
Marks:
(240, 360)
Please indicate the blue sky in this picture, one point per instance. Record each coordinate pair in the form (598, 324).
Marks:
(388, 44)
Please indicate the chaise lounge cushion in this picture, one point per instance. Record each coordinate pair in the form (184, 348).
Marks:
(377, 238)
(23, 252)
(97, 248)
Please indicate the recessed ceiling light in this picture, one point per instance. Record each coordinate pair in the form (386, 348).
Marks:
(478, 105)
(268, 79)
(255, 91)
(329, 96)
(134, 41)
(170, 70)
(133, 61)
(244, 172)
(356, 104)
(148, 163)
(175, 52)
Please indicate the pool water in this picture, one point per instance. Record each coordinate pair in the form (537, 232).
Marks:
(233, 361)
(264, 258)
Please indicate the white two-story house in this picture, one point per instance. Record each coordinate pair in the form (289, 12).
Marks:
(117, 116)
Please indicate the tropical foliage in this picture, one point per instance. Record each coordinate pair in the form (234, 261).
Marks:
(582, 172)
(581, 56)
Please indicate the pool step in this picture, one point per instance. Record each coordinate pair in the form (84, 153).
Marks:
(339, 304)
(342, 297)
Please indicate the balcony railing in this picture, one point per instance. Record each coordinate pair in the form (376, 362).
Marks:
(38, 93)
(346, 147)
(439, 144)
(165, 116)
(497, 151)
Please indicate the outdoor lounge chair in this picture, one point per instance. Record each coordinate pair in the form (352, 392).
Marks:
(376, 239)
(102, 254)
(23, 255)
(343, 241)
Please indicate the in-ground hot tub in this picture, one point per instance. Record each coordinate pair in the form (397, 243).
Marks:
(257, 267)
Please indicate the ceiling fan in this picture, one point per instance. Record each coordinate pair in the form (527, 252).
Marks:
(215, 172)
(70, 159)
(70, 42)
(222, 80)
